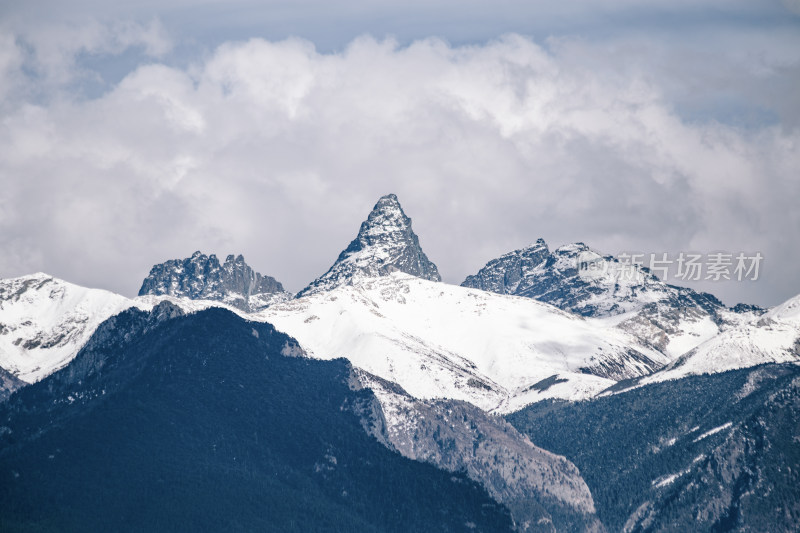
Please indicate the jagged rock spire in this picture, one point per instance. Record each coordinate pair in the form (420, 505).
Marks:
(385, 243)
(201, 277)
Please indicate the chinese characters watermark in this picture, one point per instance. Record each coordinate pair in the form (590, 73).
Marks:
(683, 266)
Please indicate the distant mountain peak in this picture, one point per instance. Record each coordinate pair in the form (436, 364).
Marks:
(202, 277)
(555, 277)
(385, 243)
(386, 220)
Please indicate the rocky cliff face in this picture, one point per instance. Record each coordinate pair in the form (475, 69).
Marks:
(202, 277)
(385, 243)
(542, 490)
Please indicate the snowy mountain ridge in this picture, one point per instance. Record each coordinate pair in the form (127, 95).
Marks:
(44, 321)
(436, 340)
(772, 338)
(668, 318)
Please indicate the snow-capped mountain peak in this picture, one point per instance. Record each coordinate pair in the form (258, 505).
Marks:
(385, 243)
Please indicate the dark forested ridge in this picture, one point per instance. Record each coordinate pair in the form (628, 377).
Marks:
(200, 423)
(705, 453)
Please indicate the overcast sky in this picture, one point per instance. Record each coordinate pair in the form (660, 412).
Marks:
(134, 134)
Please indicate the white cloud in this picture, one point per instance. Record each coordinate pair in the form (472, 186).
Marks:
(277, 151)
(51, 52)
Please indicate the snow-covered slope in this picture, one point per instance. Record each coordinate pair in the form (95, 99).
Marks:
(44, 321)
(741, 347)
(772, 338)
(787, 312)
(444, 341)
(385, 243)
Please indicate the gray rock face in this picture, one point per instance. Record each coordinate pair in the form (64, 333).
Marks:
(8, 384)
(659, 311)
(201, 277)
(385, 244)
(543, 491)
(513, 273)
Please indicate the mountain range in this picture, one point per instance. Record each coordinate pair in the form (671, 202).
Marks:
(523, 383)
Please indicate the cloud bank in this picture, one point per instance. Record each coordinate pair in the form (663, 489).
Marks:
(276, 150)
